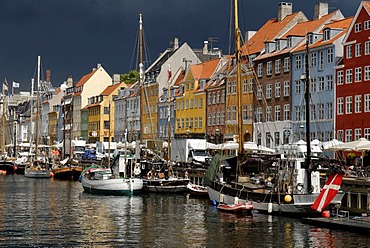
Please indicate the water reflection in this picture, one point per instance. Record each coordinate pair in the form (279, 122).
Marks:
(49, 212)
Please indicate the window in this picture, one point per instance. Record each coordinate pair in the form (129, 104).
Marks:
(286, 112)
(259, 114)
(358, 104)
(367, 73)
(357, 133)
(321, 60)
(286, 88)
(228, 87)
(313, 85)
(358, 50)
(245, 86)
(286, 64)
(348, 104)
(367, 133)
(348, 135)
(366, 25)
(223, 97)
(340, 105)
(357, 27)
(259, 92)
(277, 66)
(289, 42)
(348, 51)
(251, 82)
(339, 77)
(348, 76)
(340, 135)
(320, 111)
(277, 112)
(329, 82)
(313, 59)
(259, 70)
(367, 47)
(234, 87)
(358, 74)
(268, 113)
(277, 90)
(330, 56)
(269, 68)
(233, 113)
(326, 34)
(268, 91)
(298, 62)
(367, 103)
(321, 84)
(298, 87)
(244, 112)
(329, 110)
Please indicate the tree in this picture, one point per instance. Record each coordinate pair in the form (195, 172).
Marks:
(130, 77)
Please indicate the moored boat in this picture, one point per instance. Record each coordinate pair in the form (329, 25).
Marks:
(197, 190)
(98, 180)
(236, 208)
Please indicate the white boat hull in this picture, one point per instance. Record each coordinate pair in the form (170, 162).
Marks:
(112, 186)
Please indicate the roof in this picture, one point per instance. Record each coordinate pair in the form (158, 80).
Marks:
(110, 89)
(85, 78)
(268, 32)
(204, 70)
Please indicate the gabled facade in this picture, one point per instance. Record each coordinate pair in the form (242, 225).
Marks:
(191, 99)
(89, 85)
(325, 51)
(273, 102)
(156, 78)
(352, 78)
(101, 114)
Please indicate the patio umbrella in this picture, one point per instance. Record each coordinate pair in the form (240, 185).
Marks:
(358, 145)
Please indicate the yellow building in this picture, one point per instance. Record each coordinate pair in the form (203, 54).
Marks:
(231, 118)
(101, 114)
(149, 116)
(191, 100)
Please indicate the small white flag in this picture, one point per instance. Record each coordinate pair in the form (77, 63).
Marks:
(15, 85)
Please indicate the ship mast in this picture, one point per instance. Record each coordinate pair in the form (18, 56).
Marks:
(169, 115)
(238, 54)
(37, 107)
(141, 73)
(3, 124)
(308, 132)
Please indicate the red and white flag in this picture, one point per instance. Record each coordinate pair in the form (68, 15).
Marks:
(328, 192)
(169, 73)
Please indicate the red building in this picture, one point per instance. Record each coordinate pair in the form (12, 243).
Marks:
(353, 80)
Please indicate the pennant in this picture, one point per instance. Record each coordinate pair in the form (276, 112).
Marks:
(328, 192)
(169, 72)
(15, 85)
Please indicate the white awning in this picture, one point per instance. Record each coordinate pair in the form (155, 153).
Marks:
(67, 101)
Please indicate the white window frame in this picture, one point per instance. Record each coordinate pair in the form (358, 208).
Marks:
(349, 105)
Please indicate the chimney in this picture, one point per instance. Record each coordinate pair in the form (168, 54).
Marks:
(70, 81)
(321, 9)
(116, 78)
(284, 9)
(175, 43)
(48, 76)
(249, 35)
(205, 47)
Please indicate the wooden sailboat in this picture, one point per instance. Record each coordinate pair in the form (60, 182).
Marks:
(294, 199)
(37, 168)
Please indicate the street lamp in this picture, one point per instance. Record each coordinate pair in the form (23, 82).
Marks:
(217, 135)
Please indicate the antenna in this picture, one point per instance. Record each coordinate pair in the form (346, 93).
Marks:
(212, 40)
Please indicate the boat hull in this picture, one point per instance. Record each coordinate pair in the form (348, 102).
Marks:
(197, 190)
(166, 185)
(67, 173)
(266, 202)
(37, 173)
(113, 186)
(236, 208)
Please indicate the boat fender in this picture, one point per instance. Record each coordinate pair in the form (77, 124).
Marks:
(236, 200)
(221, 197)
(137, 171)
(287, 198)
(149, 175)
(214, 202)
(269, 207)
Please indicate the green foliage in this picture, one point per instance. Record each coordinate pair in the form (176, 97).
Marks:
(130, 78)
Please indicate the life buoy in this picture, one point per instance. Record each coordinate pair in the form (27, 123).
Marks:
(149, 175)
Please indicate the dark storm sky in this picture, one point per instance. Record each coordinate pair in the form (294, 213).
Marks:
(72, 36)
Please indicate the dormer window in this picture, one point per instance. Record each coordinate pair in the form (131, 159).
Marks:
(278, 45)
(202, 84)
(310, 38)
(326, 34)
(289, 42)
(267, 48)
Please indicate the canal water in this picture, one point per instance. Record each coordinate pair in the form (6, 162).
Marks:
(53, 213)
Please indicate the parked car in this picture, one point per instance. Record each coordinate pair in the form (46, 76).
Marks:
(90, 154)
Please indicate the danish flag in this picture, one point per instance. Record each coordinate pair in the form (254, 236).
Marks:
(328, 192)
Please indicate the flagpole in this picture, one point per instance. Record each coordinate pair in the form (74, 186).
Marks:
(3, 124)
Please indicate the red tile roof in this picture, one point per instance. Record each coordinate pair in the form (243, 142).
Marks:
(110, 89)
